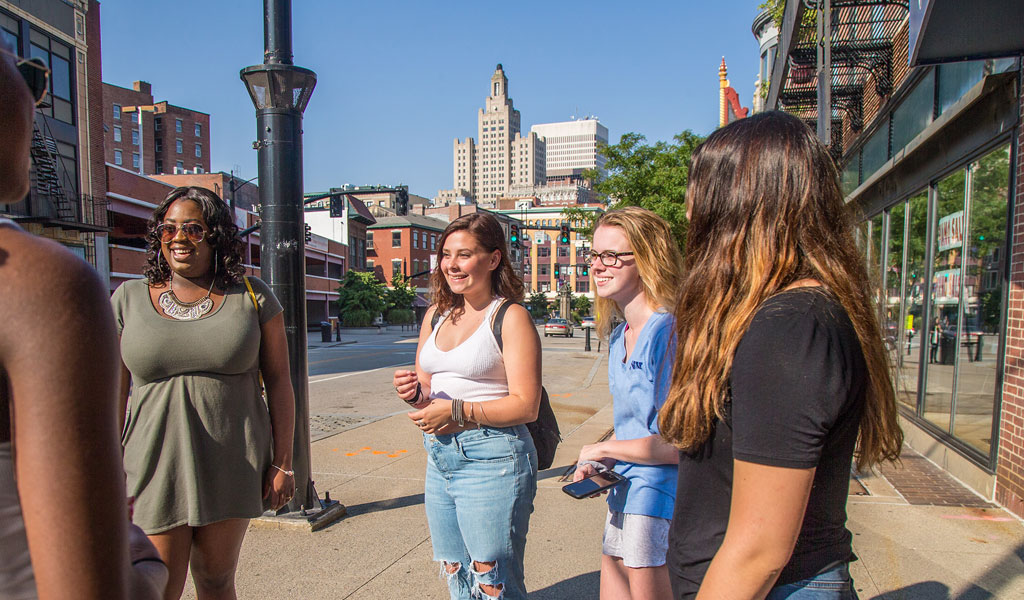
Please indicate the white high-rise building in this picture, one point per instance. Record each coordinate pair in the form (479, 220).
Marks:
(484, 171)
(571, 146)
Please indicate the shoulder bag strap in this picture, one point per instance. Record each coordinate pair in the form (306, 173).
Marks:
(252, 296)
(496, 320)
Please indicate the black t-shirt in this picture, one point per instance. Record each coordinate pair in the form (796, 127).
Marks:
(797, 395)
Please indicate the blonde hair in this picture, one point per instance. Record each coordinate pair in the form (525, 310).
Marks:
(767, 211)
(657, 258)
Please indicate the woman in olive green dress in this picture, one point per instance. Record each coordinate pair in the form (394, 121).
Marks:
(203, 451)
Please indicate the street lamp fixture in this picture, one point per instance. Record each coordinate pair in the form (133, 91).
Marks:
(279, 86)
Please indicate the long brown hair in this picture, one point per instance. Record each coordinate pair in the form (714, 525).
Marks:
(488, 233)
(766, 211)
(657, 259)
(222, 236)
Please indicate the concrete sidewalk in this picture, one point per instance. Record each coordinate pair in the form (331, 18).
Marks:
(381, 549)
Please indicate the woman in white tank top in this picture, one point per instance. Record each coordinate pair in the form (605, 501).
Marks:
(472, 400)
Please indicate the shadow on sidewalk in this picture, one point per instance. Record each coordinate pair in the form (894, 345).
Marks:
(353, 510)
(586, 585)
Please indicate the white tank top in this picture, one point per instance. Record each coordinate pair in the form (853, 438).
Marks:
(16, 579)
(472, 371)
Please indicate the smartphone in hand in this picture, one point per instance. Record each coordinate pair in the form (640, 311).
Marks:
(593, 485)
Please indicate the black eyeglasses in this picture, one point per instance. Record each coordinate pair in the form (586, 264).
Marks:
(609, 258)
(168, 231)
(35, 73)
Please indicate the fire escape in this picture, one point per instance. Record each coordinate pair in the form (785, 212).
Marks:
(850, 43)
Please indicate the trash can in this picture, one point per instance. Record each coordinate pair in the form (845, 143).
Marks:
(325, 331)
(947, 349)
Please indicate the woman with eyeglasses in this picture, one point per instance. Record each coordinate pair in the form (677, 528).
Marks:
(64, 527)
(203, 451)
(636, 267)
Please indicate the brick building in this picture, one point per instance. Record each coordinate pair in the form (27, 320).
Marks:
(404, 245)
(172, 139)
(931, 155)
(68, 187)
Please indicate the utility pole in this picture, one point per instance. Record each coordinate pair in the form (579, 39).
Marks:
(280, 91)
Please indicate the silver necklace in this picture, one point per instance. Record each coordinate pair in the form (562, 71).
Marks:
(185, 311)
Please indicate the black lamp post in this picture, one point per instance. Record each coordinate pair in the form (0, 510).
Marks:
(280, 92)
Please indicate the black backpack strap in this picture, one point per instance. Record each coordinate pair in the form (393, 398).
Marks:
(434, 319)
(499, 316)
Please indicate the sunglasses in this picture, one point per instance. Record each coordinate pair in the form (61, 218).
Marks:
(168, 231)
(35, 73)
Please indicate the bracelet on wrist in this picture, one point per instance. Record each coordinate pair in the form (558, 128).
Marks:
(415, 399)
(288, 473)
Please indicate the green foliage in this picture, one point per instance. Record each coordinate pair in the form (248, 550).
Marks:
(650, 176)
(357, 318)
(537, 304)
(400, 316)
(777, 8)
(360, 293)
(399, 296)
(581, 305)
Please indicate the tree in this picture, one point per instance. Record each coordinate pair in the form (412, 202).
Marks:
(398, 301)
(360, 299)
(581, 304)
(538, 305)
(650, 176)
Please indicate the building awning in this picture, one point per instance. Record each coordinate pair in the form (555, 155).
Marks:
(954, 30)
(420, 301)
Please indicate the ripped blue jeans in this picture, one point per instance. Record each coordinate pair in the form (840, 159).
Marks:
(479, 494)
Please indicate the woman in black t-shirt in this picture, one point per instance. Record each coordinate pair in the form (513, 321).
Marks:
(781, 376)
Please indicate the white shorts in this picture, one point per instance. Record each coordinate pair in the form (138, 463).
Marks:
(639, 540)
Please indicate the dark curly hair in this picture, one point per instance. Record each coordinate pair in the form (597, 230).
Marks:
(488, 233)
(222, 236)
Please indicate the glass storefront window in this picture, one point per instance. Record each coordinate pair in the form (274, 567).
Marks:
(947, 279)
(874, 254)
(985, 250)
(896, 326)
(913, 298)
(876, 151)
(914, 113)
(849, 179)
(955, 79)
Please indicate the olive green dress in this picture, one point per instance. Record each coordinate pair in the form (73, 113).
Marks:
(197, 438)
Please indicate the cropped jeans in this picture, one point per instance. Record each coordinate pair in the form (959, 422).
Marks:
(832, 584)
(480, 486)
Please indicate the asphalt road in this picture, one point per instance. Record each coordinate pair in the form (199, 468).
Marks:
(350, 383)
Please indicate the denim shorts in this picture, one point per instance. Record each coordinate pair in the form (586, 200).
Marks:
(639, 540)
(480, 487)
(831, 584)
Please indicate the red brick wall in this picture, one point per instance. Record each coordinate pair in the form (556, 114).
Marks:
(1010, 466)
(383, 253)
(135, 186)
(169, 135)
(112, 95)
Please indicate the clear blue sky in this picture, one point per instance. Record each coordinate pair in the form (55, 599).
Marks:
(399, 81)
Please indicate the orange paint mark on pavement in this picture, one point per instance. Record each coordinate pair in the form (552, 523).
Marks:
(390, 453)
(976, 518)
(565, 395)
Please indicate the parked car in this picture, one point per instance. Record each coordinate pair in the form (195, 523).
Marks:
(588, 323)
(557, 327)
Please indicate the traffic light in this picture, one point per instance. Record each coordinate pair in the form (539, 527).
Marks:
(513, 235)
(583, 270)
(563, 236)
(309, 234)
(558, 270)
